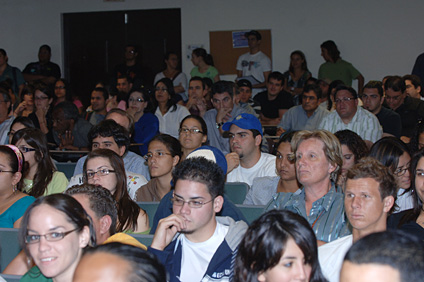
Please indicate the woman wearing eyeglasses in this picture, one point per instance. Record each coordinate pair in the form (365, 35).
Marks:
(55, 230)
(146, 124)
(13, 202)
(394, 154)
(41, 177)
(163, 155)
(265, 188)
(103, 167)
(169, 113)
(193, 134)
(43, 97)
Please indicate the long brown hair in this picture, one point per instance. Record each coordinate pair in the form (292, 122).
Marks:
(128, 210)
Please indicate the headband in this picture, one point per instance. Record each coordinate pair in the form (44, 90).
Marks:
(19, 155)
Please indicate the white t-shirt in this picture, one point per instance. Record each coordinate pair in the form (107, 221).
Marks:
(331, 257)
(254, 65)
(196, 256)
(264, 167)
(169, 123)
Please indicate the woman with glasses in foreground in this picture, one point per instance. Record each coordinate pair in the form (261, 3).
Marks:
(146, 124)
(41, 177)
(55, 230)
(193, 134)
(394, 154)
(105, 168)
(163, 155)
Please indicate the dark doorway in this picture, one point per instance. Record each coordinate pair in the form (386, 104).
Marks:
(94, 44)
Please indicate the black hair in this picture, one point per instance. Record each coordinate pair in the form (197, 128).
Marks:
(70, 111)
(265, 242)
(198, 78)
(170, 104)
(396, 83)
(109, 128)
(375, 84)
(202, 170)
(47, 47)
(145, 267)
(347, 88)
(332, 85)
(304, 65)
(200, 52)
(276, 75)
(313, 87)
(395, 248)
(104, 92)
(332, 49)
(171, 143)
(13, 162)
(354, 142)
(222, 86)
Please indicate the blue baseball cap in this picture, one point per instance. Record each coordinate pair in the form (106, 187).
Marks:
(245, 121)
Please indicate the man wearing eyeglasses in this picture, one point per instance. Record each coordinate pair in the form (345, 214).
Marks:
(192, 243)
(349, 116)
(306, 116)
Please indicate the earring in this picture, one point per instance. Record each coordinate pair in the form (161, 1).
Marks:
(14, 188)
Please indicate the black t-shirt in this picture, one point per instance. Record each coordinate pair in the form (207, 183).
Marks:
(390, 121)
(270, 108)
(411, 111)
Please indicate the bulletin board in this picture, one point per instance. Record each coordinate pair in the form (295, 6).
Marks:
(225, 56)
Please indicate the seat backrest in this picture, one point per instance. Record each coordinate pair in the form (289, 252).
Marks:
(251, 212)
(9, 246)
(236, 191)
(150, 208)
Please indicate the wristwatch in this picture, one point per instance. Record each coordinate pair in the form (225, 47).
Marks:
(218, 125)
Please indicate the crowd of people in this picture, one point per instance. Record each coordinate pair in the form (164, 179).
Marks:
(338, 172)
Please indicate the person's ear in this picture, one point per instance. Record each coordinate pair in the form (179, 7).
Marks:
(217, 203)
(122, 150)
(258, 140)
(388, 203)
(175, 160)
(16, 178)
(105, 223)
(84, 237)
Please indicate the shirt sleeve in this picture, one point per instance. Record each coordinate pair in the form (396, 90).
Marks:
(58, 184)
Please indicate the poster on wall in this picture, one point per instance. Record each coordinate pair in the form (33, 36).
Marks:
(239, 40)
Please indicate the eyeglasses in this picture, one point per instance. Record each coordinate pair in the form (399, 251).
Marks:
(59, 87)
(344, 99)
(191, 130)
(191, 203)
(51, 237)
(161, 89)
(100, 172)
(401, 171)
(135, 100)
(394, 98)
(312, 98)
(41, 98)
(148, 156)
(26, 149)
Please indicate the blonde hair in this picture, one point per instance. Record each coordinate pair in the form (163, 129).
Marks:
(332, 148)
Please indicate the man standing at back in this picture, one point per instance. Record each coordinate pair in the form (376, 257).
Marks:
(246, 161)
(254, 65)
(192, 243)
(43, 70)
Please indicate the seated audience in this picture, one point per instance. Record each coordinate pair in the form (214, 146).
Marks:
(69, 130)
(228, 208)
(224, 110)
(369, 199)
(331, 105)
(193, 134)
(394, 154)
(13, 202)
(349, 116)
(297, 75)
(44, 69)
(110, 135)
(353, 149)
(41, 177)
(276, 241)
(413, 86)
(119, 262)
(178, 78)
(63, 92)
(246, 102)
(411, 110)
(412, 220)
(192, 243)
(5, 119)
(26, 106)
(105, 168)
(197, 103)
(42, 117)
(146, 124)
(164, 153)
(99, 99)
(100, 205)
(18, 124)
(283, 185)
(246, 161)
(306, 116)
(318, 162)
(373, 99)
(169, 113)
(274, 101)
(384, 256)
(203, 65)
(60, 224)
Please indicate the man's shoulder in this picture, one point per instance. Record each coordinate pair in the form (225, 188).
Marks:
(386, 113)
(366, 114)
(210, 114)
(336, 245)
(236, 230)
(266, 158)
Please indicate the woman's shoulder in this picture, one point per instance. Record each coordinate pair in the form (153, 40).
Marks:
(58, 183)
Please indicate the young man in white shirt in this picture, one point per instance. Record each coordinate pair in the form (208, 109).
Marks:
(370, 194)
(246, 161)
(192, 243)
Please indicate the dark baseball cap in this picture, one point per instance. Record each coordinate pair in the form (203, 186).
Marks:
(244, 82)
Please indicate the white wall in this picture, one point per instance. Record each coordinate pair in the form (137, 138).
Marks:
(378, 37)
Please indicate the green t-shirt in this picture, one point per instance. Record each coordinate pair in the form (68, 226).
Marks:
(211, 72)
(341, 69)
(58, 184)
(34, 275)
